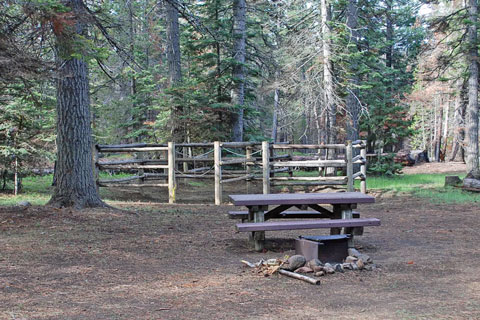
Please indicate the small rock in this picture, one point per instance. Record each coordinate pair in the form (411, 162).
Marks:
(347, 266)
(317, 268)
(353, 252)
(328, 268)
(319, 274)
(350, 259)
(314, 263)
(368, 267)
(24, 204)
(339, 268)
(360, 264)
(295, 262)
(303, 270)
(365, 258)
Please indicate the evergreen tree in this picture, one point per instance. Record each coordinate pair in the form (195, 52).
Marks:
(471, 118)
(75, 185)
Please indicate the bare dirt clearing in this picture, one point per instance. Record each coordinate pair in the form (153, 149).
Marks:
(183, 262)
(436, 167)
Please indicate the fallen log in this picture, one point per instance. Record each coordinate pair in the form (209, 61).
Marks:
(471, 183)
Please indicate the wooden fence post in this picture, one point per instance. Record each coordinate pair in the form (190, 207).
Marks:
(184, 156)
(96, 174)
(363, 167)
(141, 172)
(217, 158)
(266, 167)
(349, 158)
(171, 173)
(248, 155)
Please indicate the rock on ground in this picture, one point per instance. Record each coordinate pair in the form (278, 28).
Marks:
(295, 262)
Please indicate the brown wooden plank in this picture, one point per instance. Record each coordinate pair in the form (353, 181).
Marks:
(309, 224)
(301, 198)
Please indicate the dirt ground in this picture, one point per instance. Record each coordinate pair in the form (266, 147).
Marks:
(183, 262)
(436, 167)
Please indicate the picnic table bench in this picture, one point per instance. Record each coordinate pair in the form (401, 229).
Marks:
(342, 203)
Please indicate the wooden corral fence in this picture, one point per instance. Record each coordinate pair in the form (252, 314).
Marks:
(159, 165)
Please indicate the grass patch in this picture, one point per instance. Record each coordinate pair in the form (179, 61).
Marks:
(38, 189)
(35, 189)
(196, 183)
(405, 183)
(448, 195)
(429, 186)
(32, 197)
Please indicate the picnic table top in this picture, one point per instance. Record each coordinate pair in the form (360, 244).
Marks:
(301, 198)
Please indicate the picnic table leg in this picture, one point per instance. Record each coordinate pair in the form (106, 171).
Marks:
(348, 214)
(257, 214)
(337, 214)
(251, 215)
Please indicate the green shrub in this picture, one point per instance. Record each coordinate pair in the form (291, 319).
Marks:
(384, 166)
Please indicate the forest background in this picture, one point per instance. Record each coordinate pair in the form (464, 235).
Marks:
(397, 73)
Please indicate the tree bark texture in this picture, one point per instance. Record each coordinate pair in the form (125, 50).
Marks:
(275, 115)
(75, 185)
(328, 92)
(471, 116)
(133, 81)
(327, 74)
(174, 67)
(459, 123)
(238, 91)
(353, 105)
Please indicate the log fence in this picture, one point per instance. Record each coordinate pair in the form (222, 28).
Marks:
(160, 165)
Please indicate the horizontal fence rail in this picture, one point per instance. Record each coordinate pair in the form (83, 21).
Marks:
(228, 162)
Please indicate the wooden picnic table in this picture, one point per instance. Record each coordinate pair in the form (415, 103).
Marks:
(258, 208)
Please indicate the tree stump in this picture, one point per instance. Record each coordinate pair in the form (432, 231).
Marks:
(453, 181)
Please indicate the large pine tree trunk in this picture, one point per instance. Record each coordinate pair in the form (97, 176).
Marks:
(471, 116)
(328, 92)
(75, 185)
(276, 102)
(328, 74)
(133, 80)
(174, 67)
(238, 91)
(353, 104)
(459, 123)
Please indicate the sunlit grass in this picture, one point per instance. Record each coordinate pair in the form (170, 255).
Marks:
(448, 195)
(37, 189)
(429, 186)
(405, 183)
